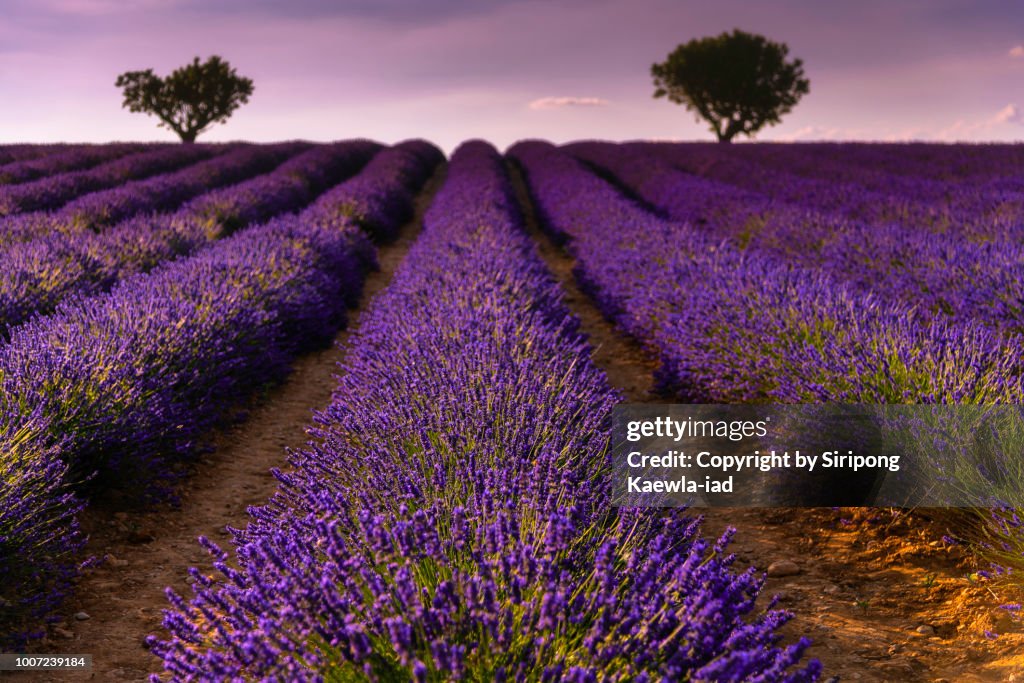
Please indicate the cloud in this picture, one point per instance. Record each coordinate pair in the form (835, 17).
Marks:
(824, 133)
(962, 130)
(560, 102)
(1011, 113)
(812, 133)
(959, 130)
(1017, 51)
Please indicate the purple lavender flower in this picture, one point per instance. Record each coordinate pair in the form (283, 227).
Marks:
(63, 158)
(731, 326)
(119, 388)
(89, 263)
(54, 190)
(785, 218)
(453, 520)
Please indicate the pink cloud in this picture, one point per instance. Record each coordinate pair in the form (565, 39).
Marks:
(1017, 51)
(560, 102)
(963, 130)
(1011, 113)
(825, 133)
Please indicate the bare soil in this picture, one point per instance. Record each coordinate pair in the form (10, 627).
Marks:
(868, 578)
(148, 551)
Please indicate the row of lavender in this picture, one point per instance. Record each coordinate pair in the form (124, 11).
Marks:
(92, 261)
(454, 522)
(766, 324)
(53, 190)
(900, 160)
(23, 166)
(983, 198)
(11, 153)
(980, 209)
(733, 327)
(103, 208)
(119, 388)
(939, 274)
(943, 275)
(99, 209)
(936, 173)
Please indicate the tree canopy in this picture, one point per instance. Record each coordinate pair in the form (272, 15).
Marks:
(738, 82)
(190, 99)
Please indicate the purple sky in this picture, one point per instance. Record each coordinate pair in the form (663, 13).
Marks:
(448, 70)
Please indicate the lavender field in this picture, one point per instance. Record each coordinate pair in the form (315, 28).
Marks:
(450, 516)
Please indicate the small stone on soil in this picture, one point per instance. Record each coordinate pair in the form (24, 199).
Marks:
(115, 562)
(81, 616)
(783, 568)
(925, 630)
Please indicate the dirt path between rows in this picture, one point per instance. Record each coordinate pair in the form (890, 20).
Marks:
(880, 594)
(149, 551)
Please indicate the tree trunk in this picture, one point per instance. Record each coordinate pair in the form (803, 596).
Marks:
(734, 126)
(188, 136)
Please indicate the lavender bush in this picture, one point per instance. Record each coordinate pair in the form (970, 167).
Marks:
(12, 153)
(90, 263)
(40, 540)
(878, 164)
(63, 159)
(453, 523)
(734, 327)
(98, 210)
(368, 199)
(167, 191)
(947, 276)
(52, 191)
(119, 388)
(980, 210)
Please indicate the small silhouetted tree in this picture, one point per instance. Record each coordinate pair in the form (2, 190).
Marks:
(738, 82)
(191, 99)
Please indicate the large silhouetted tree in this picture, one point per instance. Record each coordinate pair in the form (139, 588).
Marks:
(738, 82)
(191, 99)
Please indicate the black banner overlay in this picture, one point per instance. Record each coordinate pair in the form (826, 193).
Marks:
(817, 455)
